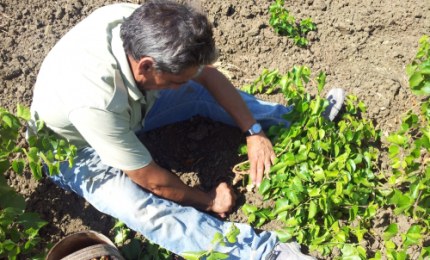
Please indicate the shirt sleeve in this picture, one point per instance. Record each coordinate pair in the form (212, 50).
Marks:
(110, 135)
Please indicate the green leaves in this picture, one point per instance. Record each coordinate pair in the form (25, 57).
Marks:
(390, 232)
(397, 139)
(326, 185)
(19, 235)
(409, 150)
(285, 24)
(9, 198)
(419, 70)
(270, 81)
(44, 147)
(265, 83)
(323, 178)
(23, 112)
(121, 232)
(19, 229)
(350, 252)
(413, 236)
(313, 208)
(133, 246)
(232, 234)
(401, 202)
(218, 240)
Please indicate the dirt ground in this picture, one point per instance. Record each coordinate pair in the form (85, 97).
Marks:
(363, 45)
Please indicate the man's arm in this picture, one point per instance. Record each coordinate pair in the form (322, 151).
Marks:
(165, 184)
(260, 150)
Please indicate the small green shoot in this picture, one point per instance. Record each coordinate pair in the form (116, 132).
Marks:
(219, 240)
(285, 24)
(133, 247)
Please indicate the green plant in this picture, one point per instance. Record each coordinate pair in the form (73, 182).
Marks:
(325, 183)
(285, 24)
(219, 240)
(19, 229)
(271, 81)
(135, 248)
(323, 178)
(43, 146)
(265, 83)
(419, 70)
(409, 154)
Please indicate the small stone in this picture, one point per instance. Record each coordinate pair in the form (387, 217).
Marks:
(253, 32)
(12, 74)
(59, 13)
(323, 7)
(230, 11)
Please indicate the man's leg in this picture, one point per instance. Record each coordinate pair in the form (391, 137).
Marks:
(193, 99)
(174, 227)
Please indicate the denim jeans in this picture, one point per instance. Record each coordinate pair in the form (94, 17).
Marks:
(177, 228)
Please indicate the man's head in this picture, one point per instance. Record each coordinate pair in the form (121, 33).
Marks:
(176, 37)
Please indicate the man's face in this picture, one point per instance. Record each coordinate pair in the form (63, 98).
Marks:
(163, 80)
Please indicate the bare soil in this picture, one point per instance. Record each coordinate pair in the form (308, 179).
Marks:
(363, 45)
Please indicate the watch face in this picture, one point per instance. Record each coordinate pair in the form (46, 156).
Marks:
(256, 128)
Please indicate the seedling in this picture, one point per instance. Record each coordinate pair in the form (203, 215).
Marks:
(137, 248)
(19, 230)
(409, 154)
(219, 240)
(285, 24)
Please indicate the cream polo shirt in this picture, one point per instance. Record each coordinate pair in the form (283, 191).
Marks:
(86, 93)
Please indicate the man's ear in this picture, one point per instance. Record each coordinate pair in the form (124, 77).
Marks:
(145, 65)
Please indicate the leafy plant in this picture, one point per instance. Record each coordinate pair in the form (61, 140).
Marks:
(409, 154)
(135, 248)
(323, 176)
(19, 229)
(219, 239)
(325, 184)
(43, 146)
(419, 70)
(271, 81)
(285, 24)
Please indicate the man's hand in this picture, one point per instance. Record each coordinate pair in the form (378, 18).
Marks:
(223, 199)
(165, 184)
(261, 156)
(260, 151)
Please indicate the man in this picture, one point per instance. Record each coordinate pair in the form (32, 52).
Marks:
(126, 69)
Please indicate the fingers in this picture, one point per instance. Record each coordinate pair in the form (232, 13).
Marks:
(259, 166)
(261, 157)
(253, 171)
(224, 201)
(272, 158)
(260, 172)
(267, 165)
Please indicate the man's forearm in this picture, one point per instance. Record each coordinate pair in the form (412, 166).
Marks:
(167, 185)
(227, 96)
(260, 151)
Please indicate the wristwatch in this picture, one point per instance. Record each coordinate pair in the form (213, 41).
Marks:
(254, 129)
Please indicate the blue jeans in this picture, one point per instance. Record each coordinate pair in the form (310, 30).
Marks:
(177, 228)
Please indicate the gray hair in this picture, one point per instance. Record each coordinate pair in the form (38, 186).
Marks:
(176, 36)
